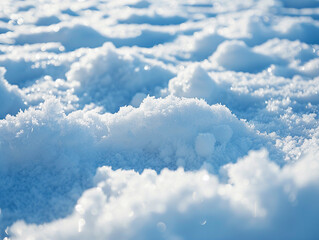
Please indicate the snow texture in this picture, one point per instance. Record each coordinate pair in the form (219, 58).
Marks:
(144, 119)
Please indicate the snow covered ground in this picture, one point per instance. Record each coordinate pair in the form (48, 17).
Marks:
(159, 119)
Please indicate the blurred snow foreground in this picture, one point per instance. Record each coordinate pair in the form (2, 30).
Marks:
(144, 119)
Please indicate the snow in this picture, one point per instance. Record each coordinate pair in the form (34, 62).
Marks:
(256, 200)
(194, 82)
(95, 73)
(144, 119)
(205, 144)
(236, 56)
(10, 97)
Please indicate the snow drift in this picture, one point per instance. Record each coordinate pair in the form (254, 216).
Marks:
(144, 119)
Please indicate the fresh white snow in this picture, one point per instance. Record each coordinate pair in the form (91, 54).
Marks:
(157, 119)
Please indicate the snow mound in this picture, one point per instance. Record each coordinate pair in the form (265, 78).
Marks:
(236, 56)
(111, 78)
(71, 37)
(127, 205)
(56, 154)
(205, 44)
(36, 175)
(302, 29)
(198, 46)
(160, 138)
(194, 82)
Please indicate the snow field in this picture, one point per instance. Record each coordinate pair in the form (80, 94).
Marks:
(162, 119)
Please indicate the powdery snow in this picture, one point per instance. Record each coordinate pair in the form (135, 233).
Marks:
(256, 200)
(144, 119)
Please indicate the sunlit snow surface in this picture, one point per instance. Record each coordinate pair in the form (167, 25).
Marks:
(155, 119)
